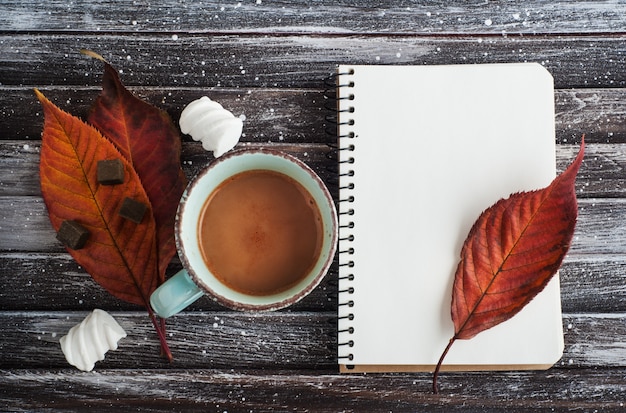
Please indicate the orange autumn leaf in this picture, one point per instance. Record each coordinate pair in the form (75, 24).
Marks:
(511, 253)
(147, 138)
(119, 254)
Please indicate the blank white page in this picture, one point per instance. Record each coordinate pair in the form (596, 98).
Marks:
(434, 146)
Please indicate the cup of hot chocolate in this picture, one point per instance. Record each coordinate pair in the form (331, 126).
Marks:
(255, 230)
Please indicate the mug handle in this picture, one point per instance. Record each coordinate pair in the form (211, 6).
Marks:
(175, 294)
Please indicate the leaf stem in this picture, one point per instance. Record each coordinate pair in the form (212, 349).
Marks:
(160, 329)
(164, 353)
(438, 368)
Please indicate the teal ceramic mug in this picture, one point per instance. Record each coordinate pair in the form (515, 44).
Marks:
(201, 276)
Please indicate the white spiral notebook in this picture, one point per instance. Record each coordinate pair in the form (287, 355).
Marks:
(423, 150)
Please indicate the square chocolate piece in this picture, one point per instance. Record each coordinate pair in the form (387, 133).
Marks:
(110, 172)
(133, 210)
(72, 234)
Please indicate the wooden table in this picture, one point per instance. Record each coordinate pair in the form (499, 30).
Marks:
(268, 60)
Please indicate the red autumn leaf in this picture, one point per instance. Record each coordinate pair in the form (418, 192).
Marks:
(120, 255)
(148, 139)
(511, 253)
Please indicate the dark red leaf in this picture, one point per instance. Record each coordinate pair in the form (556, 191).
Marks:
(148, 139)
(511, 253)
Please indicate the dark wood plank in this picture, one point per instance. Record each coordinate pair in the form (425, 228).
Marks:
(324, 17)
(287, 390)
(276, 115)
(19, 162)
(225, 339)
(587, 340)
(23, 220)
(593, 283)
(294, 115)
(603, 174)
(596, 113)
(54, 281)
(25, 226)
(600, 227)
(290, 61)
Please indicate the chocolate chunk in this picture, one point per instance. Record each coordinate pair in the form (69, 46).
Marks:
(110, 172)
(72, 234)
(133, 210)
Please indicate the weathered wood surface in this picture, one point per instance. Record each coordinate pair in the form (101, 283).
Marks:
(298, 340)
(590, 283)
(602, 177)
(326, 17)
(295, 115)
(267, 61)
(586, 390)
(292, 61)
(600, 228)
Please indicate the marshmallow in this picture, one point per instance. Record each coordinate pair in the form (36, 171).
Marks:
(207, 121)
(87, 342)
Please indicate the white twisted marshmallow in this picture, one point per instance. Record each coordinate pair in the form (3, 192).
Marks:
(88, 341)
(207, 121)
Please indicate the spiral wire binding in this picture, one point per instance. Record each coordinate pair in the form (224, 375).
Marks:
(339, 122)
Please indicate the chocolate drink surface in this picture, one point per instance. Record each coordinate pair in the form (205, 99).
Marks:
(260, 232)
